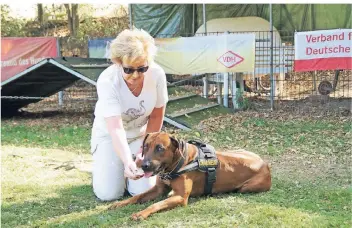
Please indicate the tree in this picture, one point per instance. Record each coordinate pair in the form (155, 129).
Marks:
(72, 18)
(11, 26)
(40, 14)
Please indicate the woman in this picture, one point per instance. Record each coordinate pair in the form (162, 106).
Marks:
(132, 95)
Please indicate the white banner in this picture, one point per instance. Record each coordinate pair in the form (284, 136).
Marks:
(323, 50)
(207, 54)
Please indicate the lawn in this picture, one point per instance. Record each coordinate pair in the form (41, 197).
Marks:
(46, 180)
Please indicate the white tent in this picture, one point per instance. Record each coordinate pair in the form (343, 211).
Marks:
(241, 24)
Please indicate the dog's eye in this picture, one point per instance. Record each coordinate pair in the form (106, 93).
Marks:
(159, 148)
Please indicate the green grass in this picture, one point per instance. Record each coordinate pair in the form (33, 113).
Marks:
(195, 118)
(43, 186)
(45, 196)
(67, 137)
(275, 136)
(263, 135)
(178, 91)
(176, 106)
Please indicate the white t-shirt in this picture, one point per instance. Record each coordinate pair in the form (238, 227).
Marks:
(115, 99)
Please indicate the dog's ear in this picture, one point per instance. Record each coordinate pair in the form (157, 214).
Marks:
(145, 138)
(174, 142)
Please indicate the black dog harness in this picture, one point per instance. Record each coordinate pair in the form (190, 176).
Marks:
(205, 161)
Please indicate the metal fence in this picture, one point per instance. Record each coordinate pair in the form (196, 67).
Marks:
(316, 93)
(320, 92)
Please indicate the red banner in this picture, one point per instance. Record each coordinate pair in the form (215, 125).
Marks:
(17, 54)
(323, 50)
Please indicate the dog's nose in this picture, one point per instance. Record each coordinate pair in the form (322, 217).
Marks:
(146, 165)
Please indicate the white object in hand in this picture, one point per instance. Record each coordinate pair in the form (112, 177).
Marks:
(131, 171)
(140, 157)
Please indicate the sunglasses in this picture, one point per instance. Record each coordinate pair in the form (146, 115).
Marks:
(139, 70)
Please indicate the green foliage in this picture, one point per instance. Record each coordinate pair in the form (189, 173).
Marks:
(103, 27)
(10, 26)
(55, 23)
(243, 102)
(67, 137)
(54, 12)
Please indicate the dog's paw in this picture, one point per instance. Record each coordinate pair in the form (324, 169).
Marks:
(117, 205)
(138, 216)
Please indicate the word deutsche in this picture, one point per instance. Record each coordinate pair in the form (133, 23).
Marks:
(327, 50)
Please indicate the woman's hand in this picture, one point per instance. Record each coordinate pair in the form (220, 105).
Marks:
(131, 171)
(139, 157)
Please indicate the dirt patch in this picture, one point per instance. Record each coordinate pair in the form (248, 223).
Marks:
(53, 159)
(282, 116)
(300, 168)
(52, 116)
(312, 168)
(313, 105)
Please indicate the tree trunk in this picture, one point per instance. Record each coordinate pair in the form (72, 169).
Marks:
(40, 14)
(69, 18)
(75, 18)
(72, 18)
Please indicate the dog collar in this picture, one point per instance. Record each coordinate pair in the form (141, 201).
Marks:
(175, 172)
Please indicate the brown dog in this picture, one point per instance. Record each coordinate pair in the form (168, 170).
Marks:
(240, 171)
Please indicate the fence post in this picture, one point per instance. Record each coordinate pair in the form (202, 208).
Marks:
(314, 81)
(205, 86)
(219, 88)
(205, 79)
(226, 89)
(61, 93)
(281, 77)
(130, 15)
(272, 89)
(204, 20)
(239, 78)
(234, 90)
(226, 84)
(61, 98)
(193, 19)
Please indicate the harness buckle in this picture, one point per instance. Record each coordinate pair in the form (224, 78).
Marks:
(165, 176)
(211, 172)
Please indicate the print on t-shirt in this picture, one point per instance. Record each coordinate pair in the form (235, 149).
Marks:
(132, 114)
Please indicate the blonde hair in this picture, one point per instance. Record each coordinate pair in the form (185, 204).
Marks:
(131, 44)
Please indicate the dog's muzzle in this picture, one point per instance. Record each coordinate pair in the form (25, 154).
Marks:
(146, 166)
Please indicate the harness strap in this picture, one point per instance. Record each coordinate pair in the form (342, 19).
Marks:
(182, 159)
(174, 173)
(189, 167)
(210, 178)
(207, 162)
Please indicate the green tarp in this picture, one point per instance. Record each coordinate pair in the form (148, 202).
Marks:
(167, 20)
(163, 19)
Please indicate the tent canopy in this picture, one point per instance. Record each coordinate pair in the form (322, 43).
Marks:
(169, 20)
(46, 78)
(257, 25)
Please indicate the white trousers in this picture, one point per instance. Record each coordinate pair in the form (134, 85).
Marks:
(109, 182)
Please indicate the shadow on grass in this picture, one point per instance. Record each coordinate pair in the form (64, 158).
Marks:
(225, 210)
(69, 200)
(289, 204)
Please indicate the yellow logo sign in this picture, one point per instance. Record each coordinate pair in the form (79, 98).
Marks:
(208, 162)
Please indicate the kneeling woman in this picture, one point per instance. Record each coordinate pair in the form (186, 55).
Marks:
(132, 95)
